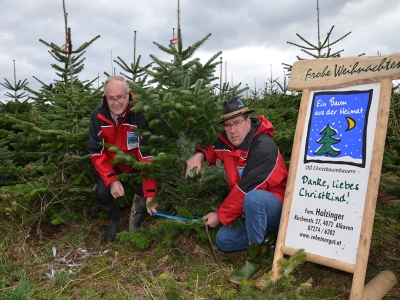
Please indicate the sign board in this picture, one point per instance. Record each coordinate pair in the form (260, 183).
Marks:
(324, 73)
(336, 161)
(332, 173)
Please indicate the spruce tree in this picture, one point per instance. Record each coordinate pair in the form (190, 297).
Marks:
(321, 49)
(18, 106)
(183, 110)
(56, 178)
(136, 73)
(19, 95)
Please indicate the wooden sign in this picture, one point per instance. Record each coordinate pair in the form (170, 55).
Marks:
(336, 161)
(332, 173)
(326, 73)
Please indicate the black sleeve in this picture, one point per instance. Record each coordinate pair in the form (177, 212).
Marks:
(261, 162)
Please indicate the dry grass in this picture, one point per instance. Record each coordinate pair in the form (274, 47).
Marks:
(83, 267)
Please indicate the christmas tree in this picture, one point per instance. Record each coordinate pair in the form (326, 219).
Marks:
(182, 109)
(50, 144)
(18, 106)
(136, 73)
(320, 47)
(327, 141)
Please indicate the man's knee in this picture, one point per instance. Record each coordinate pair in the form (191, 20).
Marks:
(251, 199)
(103, 195)
(258, 198)
(223, 241)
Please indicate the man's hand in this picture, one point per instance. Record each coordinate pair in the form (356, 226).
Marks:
(117, 189)
(194, 162)
(212, 219)
(151, 208)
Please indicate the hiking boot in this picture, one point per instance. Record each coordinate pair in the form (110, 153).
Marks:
(251, 266)
(113, 213)
(270, 242)
(138, 213)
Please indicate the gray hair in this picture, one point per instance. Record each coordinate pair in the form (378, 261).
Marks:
(118, 78)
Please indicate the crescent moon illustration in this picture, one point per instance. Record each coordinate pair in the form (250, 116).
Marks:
(351, 123)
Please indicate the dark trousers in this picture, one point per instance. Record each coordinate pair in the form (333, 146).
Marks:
(103, 192)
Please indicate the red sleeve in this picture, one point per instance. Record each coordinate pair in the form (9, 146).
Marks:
(104, 167)
(232, 207)
(209, 154)
(149, 187)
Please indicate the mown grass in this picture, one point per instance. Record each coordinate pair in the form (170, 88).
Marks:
(83, 267)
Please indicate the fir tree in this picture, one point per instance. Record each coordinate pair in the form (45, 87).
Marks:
(72, 60)
(19, 107)
(327, 141)
(182, 109)
(56, 173)
(320, 47)
(17, 89)
(135, 72)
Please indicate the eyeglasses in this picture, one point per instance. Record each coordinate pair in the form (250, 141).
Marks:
(118, 98)
(233, 125)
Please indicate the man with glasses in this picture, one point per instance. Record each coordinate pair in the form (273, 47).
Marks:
(256, 174)
(112, 123)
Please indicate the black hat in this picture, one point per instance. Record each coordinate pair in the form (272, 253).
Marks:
(234, 108)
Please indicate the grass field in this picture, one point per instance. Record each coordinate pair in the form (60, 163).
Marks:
(72, 262)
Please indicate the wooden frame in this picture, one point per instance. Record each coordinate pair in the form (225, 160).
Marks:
(325, 74)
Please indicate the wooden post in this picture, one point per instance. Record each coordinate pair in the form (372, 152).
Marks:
(378, 287)
(372, 192)
(308, 219)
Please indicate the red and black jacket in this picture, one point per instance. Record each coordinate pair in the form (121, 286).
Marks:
(104, 131)
(256, 164)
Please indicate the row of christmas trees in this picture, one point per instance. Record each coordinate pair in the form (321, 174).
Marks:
(46, 173)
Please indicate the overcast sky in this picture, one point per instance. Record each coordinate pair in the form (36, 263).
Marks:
(252, 34)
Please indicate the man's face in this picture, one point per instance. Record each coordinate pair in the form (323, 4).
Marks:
(236, 129)
(116, 90)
